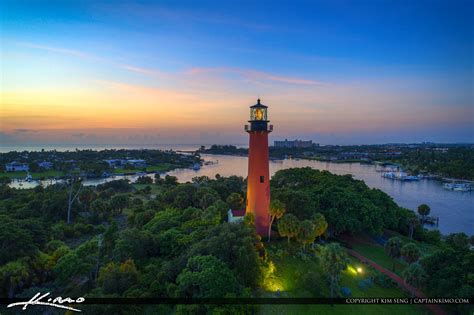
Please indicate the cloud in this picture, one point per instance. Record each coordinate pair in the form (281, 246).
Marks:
(70, 52)
(254, 75)
(23, 130)
(145, 71)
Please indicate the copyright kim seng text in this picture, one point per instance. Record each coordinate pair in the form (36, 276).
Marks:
(408, 301)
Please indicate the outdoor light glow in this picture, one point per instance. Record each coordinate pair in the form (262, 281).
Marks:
(359, 269)
(352, 270)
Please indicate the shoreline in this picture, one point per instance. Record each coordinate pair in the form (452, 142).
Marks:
(428, 176)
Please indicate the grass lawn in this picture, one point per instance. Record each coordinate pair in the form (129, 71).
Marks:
(163, 167)
(377, 253)
(35, 175)
(290, 272)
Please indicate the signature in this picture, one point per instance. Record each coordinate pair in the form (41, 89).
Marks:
(56, 302)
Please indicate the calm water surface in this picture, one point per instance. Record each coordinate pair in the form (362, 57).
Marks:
(454, 209)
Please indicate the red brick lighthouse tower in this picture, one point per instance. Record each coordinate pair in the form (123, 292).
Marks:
(258, 181)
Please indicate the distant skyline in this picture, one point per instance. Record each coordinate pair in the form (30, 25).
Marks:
(335, 72)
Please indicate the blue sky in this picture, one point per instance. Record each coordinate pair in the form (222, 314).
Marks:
(331, 71)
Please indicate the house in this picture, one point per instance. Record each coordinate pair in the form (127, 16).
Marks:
(295, 144)
(46, 165)
(16, 166)
(234, 216)
(115, 162)
(137, 163)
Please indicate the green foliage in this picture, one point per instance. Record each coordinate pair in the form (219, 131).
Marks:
(16, 240)
(333, 261)
(410, 252)
(306, 232)
(277, 210)
(206, 277)
(320, 224)
(288, 226)
(144, 180)
(235, 201)
(393, 249)
(119, 202)
(414, 275)
(78, 266)
(457, 162)
(450, 271)
(116, 279)
(348, 205)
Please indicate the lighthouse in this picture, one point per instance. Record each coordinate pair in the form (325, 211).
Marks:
(258, 180)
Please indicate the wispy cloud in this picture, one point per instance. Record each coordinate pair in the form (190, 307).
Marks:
(71, 52)
(254, 75)
(145, 71)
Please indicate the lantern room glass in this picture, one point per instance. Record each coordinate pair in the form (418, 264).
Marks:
(258, 114)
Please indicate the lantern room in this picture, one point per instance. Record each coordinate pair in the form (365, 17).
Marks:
(258, 118)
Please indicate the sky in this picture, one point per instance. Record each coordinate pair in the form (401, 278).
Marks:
(167, 72)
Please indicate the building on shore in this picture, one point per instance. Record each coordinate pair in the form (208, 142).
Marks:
(295, 144)
(123, 163)
(16, 167)
(46, 165)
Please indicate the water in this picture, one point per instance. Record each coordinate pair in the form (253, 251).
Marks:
(454, 209)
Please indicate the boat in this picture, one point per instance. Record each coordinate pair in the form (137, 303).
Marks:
(28, 178)
(400, 176)
(196, 166)
(457, 186)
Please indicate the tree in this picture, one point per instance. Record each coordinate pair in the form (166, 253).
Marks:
(458, 241)
(144, 180)
(414, 275)
(117, 279)
(288, 226)
(206, 277)
(410, 252)
(249, 219)
(171, 180)
(235, 201)
(424, 211)
(158, 179)
(13, 276)
(277, 210)
(393, 249)
(99, 209)
(333, 261)
(306, 234)
(15, 241)
(72, 195)
(119, 202)
(413, 221)
(320, 224)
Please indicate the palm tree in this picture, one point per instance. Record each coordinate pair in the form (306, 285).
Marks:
(333, 261)
(412, 223)
(320, 223)
(410, 252)
(277, 210)
(393, 249)
(423, 210)
(288, 226)
(414, 275)
(306, 233)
